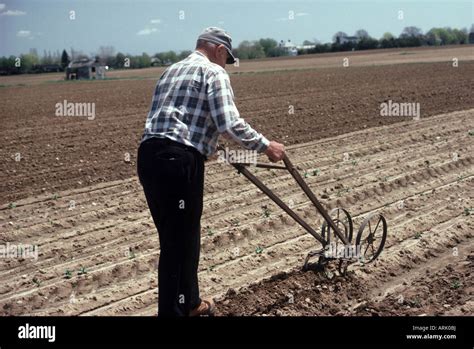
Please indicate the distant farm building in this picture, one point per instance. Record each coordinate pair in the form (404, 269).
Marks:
(306, 47)
(155, 61)
(288, 47)
(85, 69)
(292, 49)
(347, 39)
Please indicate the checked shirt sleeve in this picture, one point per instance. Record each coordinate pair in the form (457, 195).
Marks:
(226, 117)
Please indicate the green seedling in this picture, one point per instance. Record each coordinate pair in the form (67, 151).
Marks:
(416, 302)
(340, 192)
(456, 284)
(266, 211)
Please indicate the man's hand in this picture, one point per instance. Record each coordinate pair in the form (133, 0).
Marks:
(275, 151)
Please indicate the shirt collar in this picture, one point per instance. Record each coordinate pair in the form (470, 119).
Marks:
(201, 54)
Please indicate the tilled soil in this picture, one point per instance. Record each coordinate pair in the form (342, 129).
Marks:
(57, 153)
(98, 248)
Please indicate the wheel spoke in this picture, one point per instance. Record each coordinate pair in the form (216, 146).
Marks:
(377, 225)
(373, 249)
(366, 248)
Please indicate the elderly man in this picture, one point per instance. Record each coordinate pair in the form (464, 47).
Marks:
(193, 103)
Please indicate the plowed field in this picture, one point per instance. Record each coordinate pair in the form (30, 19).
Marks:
(75, 195)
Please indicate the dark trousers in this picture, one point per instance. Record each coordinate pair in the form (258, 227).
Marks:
(172, 176)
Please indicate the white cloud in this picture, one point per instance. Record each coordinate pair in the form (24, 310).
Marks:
(13, 13)
(155, 21)
(147, 31)
(299, 14)
(283, 19)
(2, 6)
(23, 34)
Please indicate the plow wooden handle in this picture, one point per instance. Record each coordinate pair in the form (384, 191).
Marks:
(242, 168)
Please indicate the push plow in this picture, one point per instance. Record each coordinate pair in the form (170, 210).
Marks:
(336, 234)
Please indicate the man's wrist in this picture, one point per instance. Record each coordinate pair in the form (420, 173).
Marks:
(264, 143)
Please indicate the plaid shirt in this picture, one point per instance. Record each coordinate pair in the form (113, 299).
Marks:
(193, 103)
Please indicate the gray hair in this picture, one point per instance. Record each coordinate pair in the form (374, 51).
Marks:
(205, 45)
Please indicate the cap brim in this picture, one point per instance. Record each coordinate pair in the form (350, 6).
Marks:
(230, 58)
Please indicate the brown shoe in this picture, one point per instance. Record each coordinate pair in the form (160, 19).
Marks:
(206, 308)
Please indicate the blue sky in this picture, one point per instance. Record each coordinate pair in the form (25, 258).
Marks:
(154, 26)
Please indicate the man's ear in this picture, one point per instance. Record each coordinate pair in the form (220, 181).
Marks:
(222, 48)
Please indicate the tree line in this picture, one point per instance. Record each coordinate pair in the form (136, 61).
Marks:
(361, 40)
(265, 47)
(33, 63)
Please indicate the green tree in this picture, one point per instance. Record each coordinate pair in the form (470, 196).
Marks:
(119, 61)
(410, 37)
(144, 60)
(7, 66)
(367, 43)
(461, 35)
(411, 32)
(168, 57)
(47, 58)
(64, 59)
(336, 38)
(250, 50)
(388, 41)
(362, 34)
(183, 54)
(433, 37)
(446, 36)
(321, 48)
(27, 62)
(268, 45)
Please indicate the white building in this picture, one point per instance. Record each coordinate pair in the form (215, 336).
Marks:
(292, 49)
(289, 47)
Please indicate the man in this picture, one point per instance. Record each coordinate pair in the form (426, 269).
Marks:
(193, 103)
